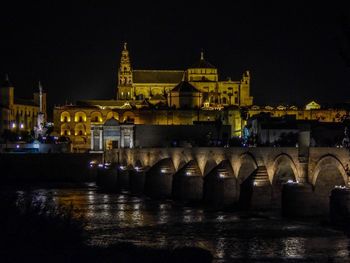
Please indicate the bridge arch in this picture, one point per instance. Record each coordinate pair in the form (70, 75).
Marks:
(283, 170)
(329, 172)
(209, 166)
(138, 163)
(329, 163)
(247, 164)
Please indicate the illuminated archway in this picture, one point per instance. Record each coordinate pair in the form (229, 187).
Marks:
(65, 116)
(65, 130)
(80, 116)
(80, 129)
(328, 173)
(284, 170)
(96, 116)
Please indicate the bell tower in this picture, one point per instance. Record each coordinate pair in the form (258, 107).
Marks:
(125, 88)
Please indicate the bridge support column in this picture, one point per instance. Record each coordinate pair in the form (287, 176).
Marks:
(159, 178)
(298, 198)
(262, 190)
(137, 180)
(340, 206)
(123, 177)
(107, 177)
(188, 184)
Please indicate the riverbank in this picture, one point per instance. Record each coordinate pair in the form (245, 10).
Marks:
(49, 168)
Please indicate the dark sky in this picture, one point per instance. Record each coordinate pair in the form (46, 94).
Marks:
(292, 50)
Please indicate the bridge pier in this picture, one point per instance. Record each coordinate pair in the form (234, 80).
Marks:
(220, 186)
(298, 200)
(159, 178)
(188, 183)
(137, 178)
(340, 206)
(107, 177)
(123, 177)
(261, 190)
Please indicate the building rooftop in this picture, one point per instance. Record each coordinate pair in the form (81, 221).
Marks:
(185, 86)
(157, 76)
(25, 102)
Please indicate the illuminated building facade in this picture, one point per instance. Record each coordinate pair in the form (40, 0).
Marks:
(17, 114)
(311, 111)
(157, 97)
(171, 97)
(171, 87)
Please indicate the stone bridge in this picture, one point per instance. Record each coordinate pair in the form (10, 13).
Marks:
(229, 173)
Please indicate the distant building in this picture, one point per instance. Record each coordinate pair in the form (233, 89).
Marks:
(283, 131)
(19, 114)
(311, 111)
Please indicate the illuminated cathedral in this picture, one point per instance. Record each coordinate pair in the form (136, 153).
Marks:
(156, 97)
(162, 98)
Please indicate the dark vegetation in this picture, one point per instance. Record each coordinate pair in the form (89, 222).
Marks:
(34, 230)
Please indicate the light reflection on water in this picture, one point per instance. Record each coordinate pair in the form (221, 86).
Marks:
(113, 218)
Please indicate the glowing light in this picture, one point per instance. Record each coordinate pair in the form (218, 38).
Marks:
(100, 165)
(163, 170)
(17, 146)
(137, 168)
(292, 182)
(122, 167)
(340, 187)
(13, 125)
(21, 126)
(188, 173)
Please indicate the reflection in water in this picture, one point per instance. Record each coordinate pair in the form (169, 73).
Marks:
(293, 247)
(112, 218)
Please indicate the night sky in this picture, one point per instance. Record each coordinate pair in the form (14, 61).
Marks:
(292, 50)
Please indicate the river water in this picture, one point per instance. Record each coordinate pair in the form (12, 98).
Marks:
(230, 236)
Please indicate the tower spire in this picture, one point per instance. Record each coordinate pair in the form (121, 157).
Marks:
(40, 97)
(7, 82)
(124, 87)
(202, 54)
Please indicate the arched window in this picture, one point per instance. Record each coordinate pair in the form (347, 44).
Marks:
(80, 132)
(224, 100)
